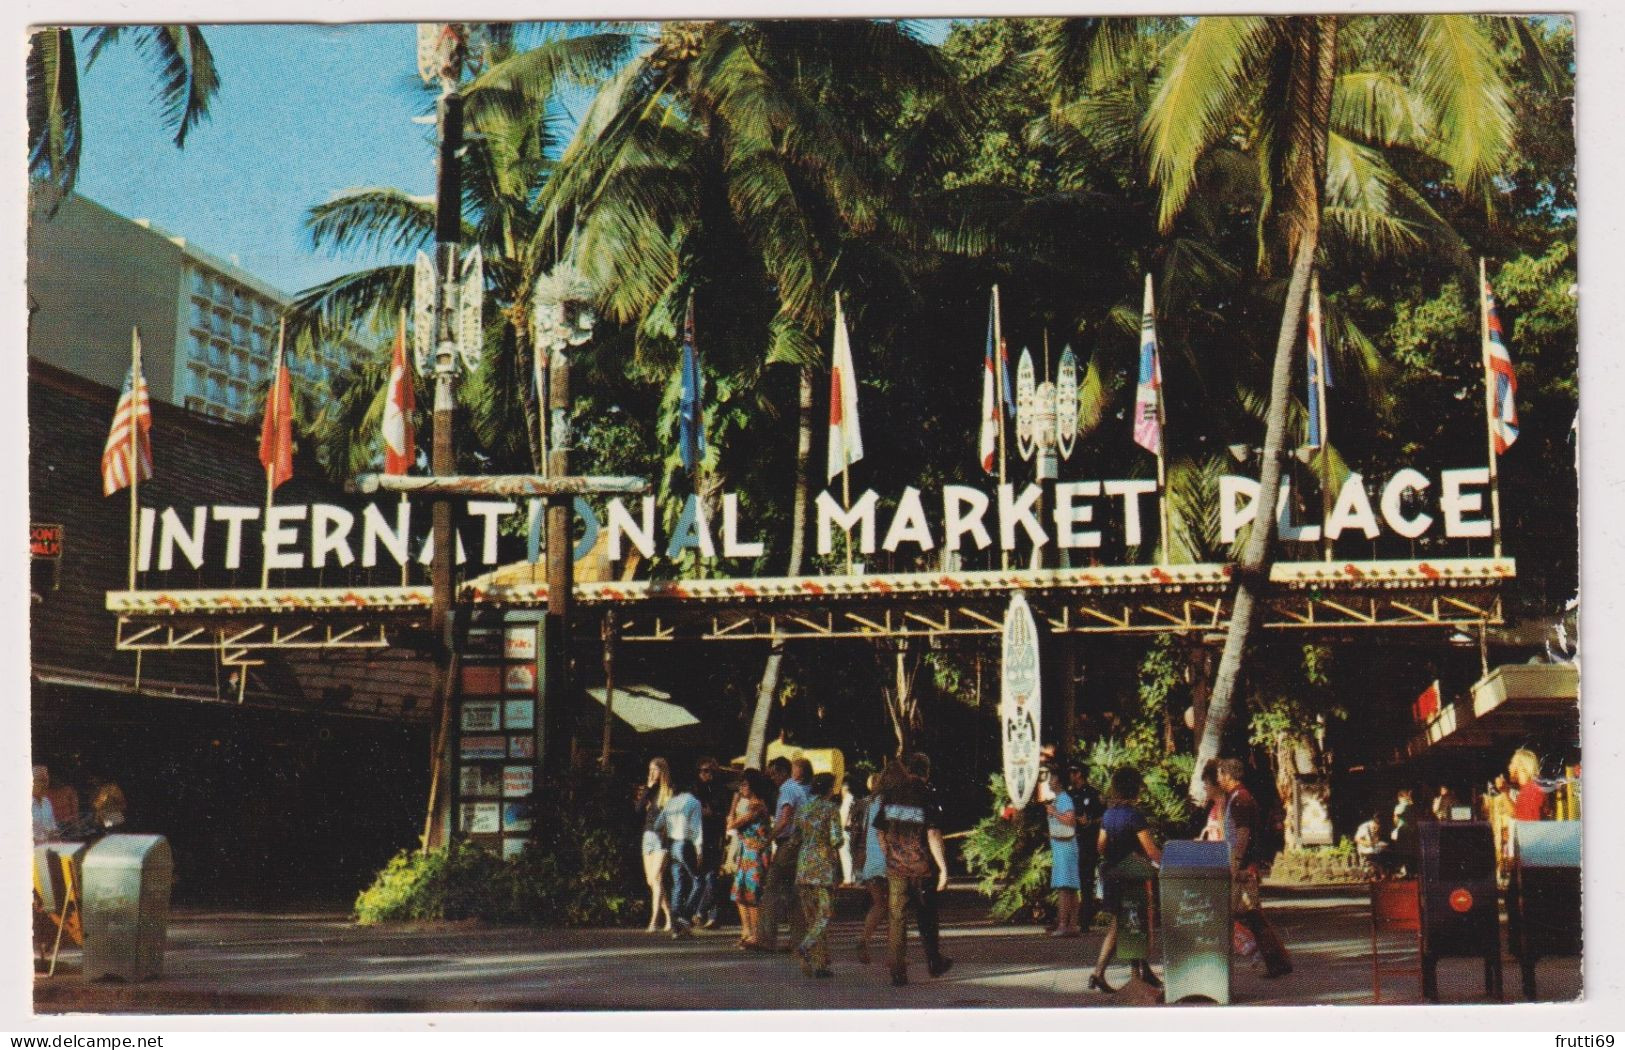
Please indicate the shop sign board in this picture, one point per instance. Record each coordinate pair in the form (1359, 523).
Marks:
(1019, 700)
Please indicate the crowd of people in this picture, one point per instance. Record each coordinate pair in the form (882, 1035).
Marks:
(782, 840)
(58, 813)
(1387, 841)
(778, 845)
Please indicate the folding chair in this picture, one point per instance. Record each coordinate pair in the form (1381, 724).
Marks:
(62, 892)
(1396, 907)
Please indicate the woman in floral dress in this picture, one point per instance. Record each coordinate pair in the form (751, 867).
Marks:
(750, 824)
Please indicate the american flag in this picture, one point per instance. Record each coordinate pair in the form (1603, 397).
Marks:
(1503, 381)
(1148, 394)
(132, 422)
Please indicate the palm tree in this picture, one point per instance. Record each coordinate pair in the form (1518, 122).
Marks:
(765, 147)
(186, 82)
(1434, 83)
(507, 160)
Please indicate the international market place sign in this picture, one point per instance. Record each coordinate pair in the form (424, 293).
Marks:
(1407, 504)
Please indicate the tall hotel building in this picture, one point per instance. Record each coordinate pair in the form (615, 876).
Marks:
(208, 328)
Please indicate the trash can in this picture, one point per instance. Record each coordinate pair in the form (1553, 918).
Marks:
(1459, 909)
(1193, 892)
(1543, 899)
(1129, 882)
(126, 906)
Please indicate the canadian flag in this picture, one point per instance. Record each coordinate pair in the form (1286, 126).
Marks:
(400, 452)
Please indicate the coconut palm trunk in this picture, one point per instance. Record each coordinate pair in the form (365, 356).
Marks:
(756, 747)
(1300, 153)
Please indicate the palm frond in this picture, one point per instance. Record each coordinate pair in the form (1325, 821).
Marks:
(1459, 74)
(180, 57)
(1197, 100)
(373, 219)
(54, 134)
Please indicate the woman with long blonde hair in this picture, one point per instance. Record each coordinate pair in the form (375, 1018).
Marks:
(652, 798)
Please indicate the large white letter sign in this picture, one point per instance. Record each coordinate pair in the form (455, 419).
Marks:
(492, 511)
(1232, 517)
(732, 546)
(861, 517)
(957, 522)
(1013, 511)
(1131, 491)
(1353, 510)
(374, 529)
(621, 525)
(279, 533)
(330, 534)
(234, 518)
(1393, 503)
(1455, 503)
(1068, 514)
(908, 525)
(175, 535)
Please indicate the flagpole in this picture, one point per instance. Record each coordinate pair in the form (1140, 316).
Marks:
(1324, 414)
(846, 467)
(411, 446)
(136, 387)
(134, 457)
(998, 398)
(1489, 404)
(1162, 444)
(270, 468)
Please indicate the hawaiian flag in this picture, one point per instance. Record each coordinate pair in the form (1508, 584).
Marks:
(1319, 374)
(991, 369)
(1148, 393)
(691, 415)
(276, 432)
(132, 424)
(400, 449)
(845, 440)
(1503, 381)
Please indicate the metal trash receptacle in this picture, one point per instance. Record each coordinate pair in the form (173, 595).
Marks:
(1543, 899)
(1129, 882)
(126, 906)
(1459, 901)
(1193, 891)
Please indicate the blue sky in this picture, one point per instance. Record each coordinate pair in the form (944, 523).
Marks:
(304, 111)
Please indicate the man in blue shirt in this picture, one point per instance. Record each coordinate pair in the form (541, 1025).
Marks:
(779, 893)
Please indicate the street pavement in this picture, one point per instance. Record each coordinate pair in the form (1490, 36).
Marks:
(323, 963)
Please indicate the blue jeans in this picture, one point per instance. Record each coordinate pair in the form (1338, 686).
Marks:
(686, 886)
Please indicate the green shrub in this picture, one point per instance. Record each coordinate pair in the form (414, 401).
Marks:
(1009, 857)
(579, 869)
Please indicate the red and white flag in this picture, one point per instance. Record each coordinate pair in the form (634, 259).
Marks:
(132, 425)
(276, 432)
(845, 440)
(400, 449)
(1502, 379)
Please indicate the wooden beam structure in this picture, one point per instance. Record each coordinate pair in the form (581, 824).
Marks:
(935, 606)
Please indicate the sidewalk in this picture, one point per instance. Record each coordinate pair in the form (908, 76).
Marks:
(247, 963)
